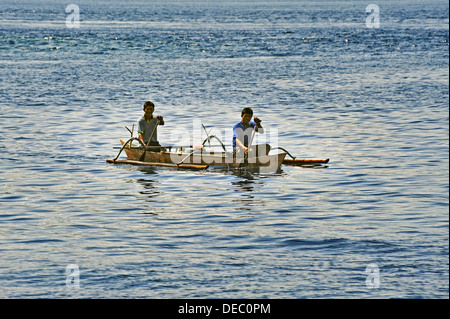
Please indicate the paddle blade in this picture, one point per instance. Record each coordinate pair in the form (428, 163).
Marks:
(142, 158)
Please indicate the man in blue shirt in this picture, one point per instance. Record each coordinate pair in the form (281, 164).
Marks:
(242, 131)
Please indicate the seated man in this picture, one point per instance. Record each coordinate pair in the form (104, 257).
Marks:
(147, 125)
(243, 131)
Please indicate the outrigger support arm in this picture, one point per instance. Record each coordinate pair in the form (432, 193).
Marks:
(283, 149)
(126, 143)
(213, 136)
(187, 156)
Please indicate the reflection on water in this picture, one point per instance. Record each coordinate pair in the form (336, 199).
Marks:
(246, 199)
(150, 189)
(246, 174)
(148, 170)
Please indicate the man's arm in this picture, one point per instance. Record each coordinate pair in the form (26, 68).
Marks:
(141, 137)
(241, 145)
(140, 130)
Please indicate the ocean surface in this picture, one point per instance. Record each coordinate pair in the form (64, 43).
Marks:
(327, 82)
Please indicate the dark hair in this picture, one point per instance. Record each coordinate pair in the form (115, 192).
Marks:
(147, 104)
(246, 110)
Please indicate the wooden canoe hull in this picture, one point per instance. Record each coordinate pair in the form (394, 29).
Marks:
(205, 158)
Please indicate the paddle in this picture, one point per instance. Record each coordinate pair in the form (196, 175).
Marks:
(253, 135)
(249, 145)
(148, 142)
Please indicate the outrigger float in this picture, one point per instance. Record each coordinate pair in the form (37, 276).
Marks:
(202, 156)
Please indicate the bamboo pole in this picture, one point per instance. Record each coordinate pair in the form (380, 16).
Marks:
(304, 161)
(141, 163)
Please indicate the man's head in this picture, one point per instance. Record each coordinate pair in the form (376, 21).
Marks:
(149, 107)
(149, 104)
(246, 115)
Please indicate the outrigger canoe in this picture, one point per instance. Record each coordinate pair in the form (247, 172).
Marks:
(199, 158)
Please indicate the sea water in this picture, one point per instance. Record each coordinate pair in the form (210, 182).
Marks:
(367, 87)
